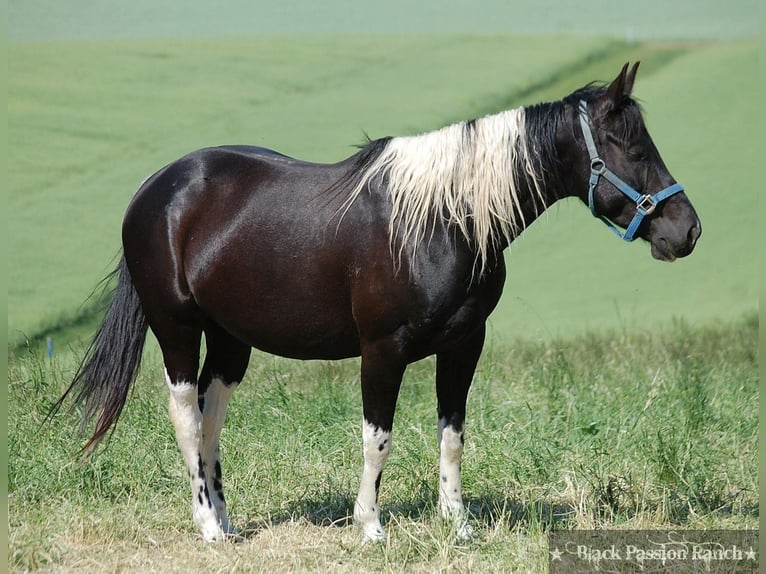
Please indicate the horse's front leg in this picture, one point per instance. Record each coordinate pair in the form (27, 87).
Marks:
(382, 371)
(454, 373)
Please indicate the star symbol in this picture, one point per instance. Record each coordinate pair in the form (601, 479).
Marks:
(556, 554)
(750, 554)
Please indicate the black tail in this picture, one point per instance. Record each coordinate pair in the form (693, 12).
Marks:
(109, 367)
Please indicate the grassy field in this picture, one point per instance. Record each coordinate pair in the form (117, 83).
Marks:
(642, 430)
(90, 120)
(615, 391)
(100, 117)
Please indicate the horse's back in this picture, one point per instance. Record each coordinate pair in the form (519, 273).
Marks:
(212, 185)
(252, 240)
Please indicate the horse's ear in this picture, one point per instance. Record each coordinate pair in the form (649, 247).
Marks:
(618, 91)
(630, 79)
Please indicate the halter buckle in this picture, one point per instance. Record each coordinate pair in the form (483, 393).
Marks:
(598, 165)
(646, 204)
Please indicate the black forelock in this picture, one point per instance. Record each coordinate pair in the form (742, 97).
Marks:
(589, 93)
(631, 122)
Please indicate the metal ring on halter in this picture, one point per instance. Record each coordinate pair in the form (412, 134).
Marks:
(595, 162)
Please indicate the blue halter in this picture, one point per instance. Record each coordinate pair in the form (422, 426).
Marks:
(645, 203)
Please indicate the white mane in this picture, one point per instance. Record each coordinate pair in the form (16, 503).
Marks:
(462, 174)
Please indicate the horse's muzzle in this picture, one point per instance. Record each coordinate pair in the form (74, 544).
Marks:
(672, 245)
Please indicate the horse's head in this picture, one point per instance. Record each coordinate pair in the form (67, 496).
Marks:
(625, 181)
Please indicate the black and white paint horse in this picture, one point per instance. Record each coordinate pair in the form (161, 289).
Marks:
(393, 254)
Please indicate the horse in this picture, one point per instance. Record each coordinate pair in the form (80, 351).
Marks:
(392, 255)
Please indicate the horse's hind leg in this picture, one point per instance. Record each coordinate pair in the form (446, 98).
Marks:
(224, 367)
(180, 349)
(198, 426)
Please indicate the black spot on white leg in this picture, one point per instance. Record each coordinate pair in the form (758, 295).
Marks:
(217, 484)
(200, 467)
(377, 483)
(201, 403)
(199, 497)
(444, 478)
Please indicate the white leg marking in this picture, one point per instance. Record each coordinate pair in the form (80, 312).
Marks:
(450, 490)
(187, 420)
(377, 445)
(216, 400)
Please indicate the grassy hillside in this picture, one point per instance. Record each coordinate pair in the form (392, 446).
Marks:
(89, 120)
(571, 433)
(628, 399)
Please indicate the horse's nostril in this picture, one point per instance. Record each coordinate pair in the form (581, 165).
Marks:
(694, 233)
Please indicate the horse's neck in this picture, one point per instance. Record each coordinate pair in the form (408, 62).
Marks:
(531, 208)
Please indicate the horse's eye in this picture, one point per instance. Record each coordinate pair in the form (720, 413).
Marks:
(637, 154)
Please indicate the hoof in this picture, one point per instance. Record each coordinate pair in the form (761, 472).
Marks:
(219, 534)
(213, 535)
(464, 532)
(373, 534)
(230, 532)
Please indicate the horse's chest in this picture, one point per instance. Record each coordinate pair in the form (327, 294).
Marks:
(452, 327)
(446, 312)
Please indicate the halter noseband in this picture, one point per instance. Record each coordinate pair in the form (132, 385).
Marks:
(645, 203)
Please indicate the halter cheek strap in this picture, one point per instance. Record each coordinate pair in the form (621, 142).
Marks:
(645, 203)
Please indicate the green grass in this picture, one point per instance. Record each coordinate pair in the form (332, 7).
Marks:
(608, 430)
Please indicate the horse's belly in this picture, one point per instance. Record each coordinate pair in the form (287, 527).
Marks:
(302, 323)
(303, 343)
